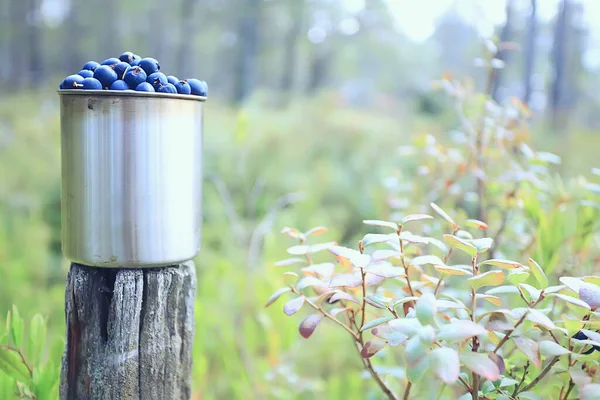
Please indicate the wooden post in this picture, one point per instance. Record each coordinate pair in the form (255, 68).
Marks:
(129, 333)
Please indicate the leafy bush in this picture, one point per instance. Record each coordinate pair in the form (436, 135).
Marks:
(450, 310)
(27, 372)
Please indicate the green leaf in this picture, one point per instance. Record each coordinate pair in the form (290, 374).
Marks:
(37, 338)
(533, 293)
(289, 278)
(393, 338)
(426, 308)
(446, 270)
(11, 363)
(298, 250)
(483, 244)
(372, 347)
(427, 335)
(443, 214)
(309, 324)
(386, 224)
(571, 300)
(540, 318)
(372, 238)
(375, 322)
(415, 350)
(538, 273)
(481, 365)
(345, 280)
(550, 349)
(590, 392)
(293, 306)
(490, 278)
(385, 270)
(461, 244)
(315, 248)
(572, 283)
(424, 260)
(418, 369)
(459, 330)
(408, 326)
(475, 223)
(378, 300)
(446, 364)
(410, 238)
(507, 264)
(415, 217)
(308, 281)
(517, 276)
(530, 348)
(343, 296)
(319, 230)
(16, 327)
(323, 269)
(492, 299)
(354, 256)
(290, 261)
(590, 294)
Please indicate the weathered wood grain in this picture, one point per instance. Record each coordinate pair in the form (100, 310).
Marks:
(129, 333)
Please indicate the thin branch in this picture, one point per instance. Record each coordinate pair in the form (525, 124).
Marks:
(407, 391)
(475, 389)
(412, 293)
(519, 322)
(525, 370)
(571, 384)
(540, 376)
(469, 387)
(327, 315)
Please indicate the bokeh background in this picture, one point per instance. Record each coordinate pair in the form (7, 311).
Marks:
(308, 101)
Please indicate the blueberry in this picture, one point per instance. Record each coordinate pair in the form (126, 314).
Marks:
(156, 79)
(110, 61)
(71, 82)
(106, 75)
(127, 57)
(172, 79)
(91, 84)
(183, 87)
(150, 65)
(119, 85)
(120, 69)
(167, 88)
(86, 73)
(198, 87)
(134, 76)
(91, 66)
(136, 61)
(144, 87)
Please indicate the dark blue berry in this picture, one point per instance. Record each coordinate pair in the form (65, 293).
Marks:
(167, 88)
(86, 73)
(106, 75)
(91, 84)
(127, 57)
(150, 65)
(183, 87)
(120, 69)
(172, 79)
(144, 87)
(71, 82)
(110, 61)
(91, 65)
(136, 61)
(156, 79)
(119, 85)
(134, 76)
(199, 88)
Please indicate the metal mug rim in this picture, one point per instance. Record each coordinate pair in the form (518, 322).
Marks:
(130, 93)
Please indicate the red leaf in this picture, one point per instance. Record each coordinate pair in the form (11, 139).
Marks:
(308, 326)
(372, 347)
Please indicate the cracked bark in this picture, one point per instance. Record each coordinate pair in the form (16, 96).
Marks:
(129, 333)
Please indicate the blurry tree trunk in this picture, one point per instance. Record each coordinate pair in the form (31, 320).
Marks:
(110, 36)
(505, 36)
(17, 14)
(187, 32)
(34, 42)
(247, 49)
(296, 11)
(530, 51)
(73, 57)
(557, 93)
(318, 68)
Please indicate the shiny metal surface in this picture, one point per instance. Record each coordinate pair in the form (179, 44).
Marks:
(131, 177)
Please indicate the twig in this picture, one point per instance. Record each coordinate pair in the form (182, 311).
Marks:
(519, 322)
(327, 315)
(410, 289)
(475, 389)
(407, 391)
(540, 376)
(469, 387)
(571, 384)
(525, 370)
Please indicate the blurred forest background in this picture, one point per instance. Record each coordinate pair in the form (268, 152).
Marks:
(305, 97)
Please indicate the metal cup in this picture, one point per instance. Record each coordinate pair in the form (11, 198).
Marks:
(131, 177)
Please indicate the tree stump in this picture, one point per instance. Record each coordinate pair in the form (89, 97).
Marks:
(129, 333)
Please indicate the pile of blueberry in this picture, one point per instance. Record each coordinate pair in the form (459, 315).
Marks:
(131, 72)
